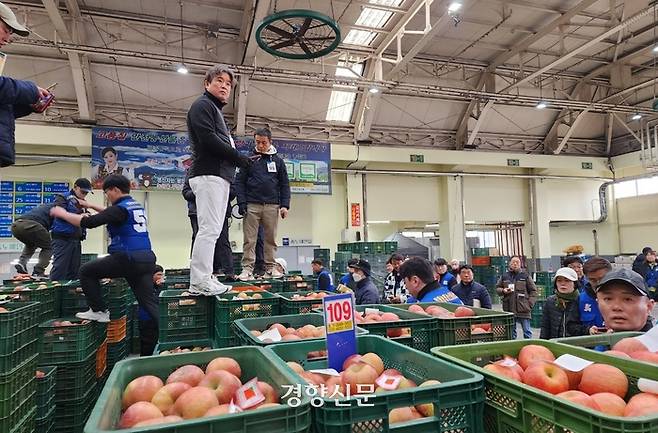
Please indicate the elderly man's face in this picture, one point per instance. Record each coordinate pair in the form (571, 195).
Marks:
(622, 308)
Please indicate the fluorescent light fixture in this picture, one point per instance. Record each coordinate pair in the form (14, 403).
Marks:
(378, 222)
(655, 49)
(432, 226)
(373, 90)
(636, 116)
(469, 222)
(182, 69)
(454, 7)
(541, 105)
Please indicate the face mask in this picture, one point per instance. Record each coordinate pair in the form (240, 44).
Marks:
(357, 277)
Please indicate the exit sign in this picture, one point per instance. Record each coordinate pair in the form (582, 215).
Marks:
(417, 158)
(513, 162)
(587, 165)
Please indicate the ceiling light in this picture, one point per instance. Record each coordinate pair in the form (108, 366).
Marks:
(373, 90)
(378, 222)
(182, 69)
(636, 116)
(454, 7)
(541, 105)
(655, 49)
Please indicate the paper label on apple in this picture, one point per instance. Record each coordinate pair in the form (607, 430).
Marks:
(647, 385)
(572, 363)
(371, 311)
(508, 362)
(326, 372)
(233, 408)
(388, 382)
(249, 395)
(272, 334)
(650, 339)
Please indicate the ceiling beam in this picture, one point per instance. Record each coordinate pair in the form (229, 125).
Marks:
(250, 22)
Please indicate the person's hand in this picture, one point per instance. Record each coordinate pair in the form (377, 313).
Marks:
(283, 212)
(396, 300)
(57, 212)
(243, 161)
(593, 330)
(43, 92)
(160, 281)
(506, 290)
(242, 208)
(83, 203)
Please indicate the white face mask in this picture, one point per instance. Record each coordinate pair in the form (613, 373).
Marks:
(358, 276)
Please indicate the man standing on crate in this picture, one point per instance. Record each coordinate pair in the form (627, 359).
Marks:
(130, 254)
(519, 294)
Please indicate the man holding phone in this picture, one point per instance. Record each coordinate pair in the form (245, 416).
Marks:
(18, 98)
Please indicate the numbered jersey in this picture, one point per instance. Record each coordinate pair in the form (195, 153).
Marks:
(132, 234)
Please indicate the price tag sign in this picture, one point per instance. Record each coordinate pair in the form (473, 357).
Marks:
(341, 330)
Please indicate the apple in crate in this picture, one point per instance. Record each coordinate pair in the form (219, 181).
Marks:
(224, 363)
(603, 378)
(166, 396)
(190, 374)
(610, 403)
(142, 388)
(580, 398)
(223, 383)
(630, 345)
(195, 402)
(532, 353)
(642, 404)
(138, 412)
(547, 377)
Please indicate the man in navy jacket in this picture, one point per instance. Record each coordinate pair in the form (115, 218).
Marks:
(16, 96)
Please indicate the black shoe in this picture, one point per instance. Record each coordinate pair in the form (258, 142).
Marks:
(20, 268)
(231, 278)
(37, 276)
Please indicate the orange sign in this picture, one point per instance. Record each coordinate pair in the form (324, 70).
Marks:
(356, 214)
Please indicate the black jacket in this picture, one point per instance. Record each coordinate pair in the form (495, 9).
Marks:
(40, 214)
(210, 140)
(468, 292)
(366, 292)
(554, 321)
(638, 263)
(15, 99)
(522, 299)
(260, 185)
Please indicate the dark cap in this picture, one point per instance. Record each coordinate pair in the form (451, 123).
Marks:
(363, 265)
(625, 276)
(84, 184)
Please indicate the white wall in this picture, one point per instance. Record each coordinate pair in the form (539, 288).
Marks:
(403, 198)
(491, 199)
(638, 222)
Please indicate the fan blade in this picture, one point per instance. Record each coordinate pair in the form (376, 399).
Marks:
(304, 28)
(324, 38)
(305, 47)
(283, 44)
(280, 32)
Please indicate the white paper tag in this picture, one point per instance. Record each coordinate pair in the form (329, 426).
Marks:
(326, 372)
(272, 334)
(233, 408)
(650, 339)
(271, 167)
(572, 363)
(507, 362)
(647, 385)
(371, 311)
(388, 382)
(249, 394)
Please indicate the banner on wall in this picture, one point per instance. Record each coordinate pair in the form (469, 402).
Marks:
(152, 160)
(308, 163)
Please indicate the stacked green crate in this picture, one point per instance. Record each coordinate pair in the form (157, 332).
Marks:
(45, 399)
(323, 254)
(18, 361)
(229, 308)
(73, 299)
(339, 265)
(178, 272)
(185, 317)
(71, 346)
(479, 252)
(486, 275)
(134, 328)
(537, 313)
(544, 278)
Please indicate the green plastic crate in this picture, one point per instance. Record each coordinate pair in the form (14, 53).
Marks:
(16, 386)
(116, 352)
(458, 400)
(242, 327)
(73, 379)
(290, 306)
(22, 406)
(27, 424)
(160, 347)
(459, 330)
(514, 407)
(72, 415)
(228, 309)
(185, 317)
(63, 344)
(253, 361)
(176, 272)
(537, 313)
(45, 397)
(73, 299)
(479, 252)
(423, 328)
(597, 342)
(45, 424)
(18, 333)
(287, 285)
(46, 297)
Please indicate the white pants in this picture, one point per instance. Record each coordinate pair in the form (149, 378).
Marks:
(211, 194)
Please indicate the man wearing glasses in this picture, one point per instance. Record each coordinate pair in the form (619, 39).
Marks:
(130, 254)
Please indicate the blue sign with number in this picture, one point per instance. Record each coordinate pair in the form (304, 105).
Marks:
(22, 209)
(6, 185)
(6, 209)
(340, 328)
(58, 187)
(28, 186)
(5, 232)
(28, 197)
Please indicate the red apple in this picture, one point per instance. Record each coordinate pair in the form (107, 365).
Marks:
(500, 370)
(650, 357)
(394, 332)
(166, 396)
(617, 353)
(508, 360)
(223, 363)
(295, 367)
(610, 403)
(603, 378)
(389, 317)
(532, 353)
(579, 398)
(195, 402)
(391, 372)
(312, 378)
(190, 374)
(464, 312)
(138, 412)
(427, 409)
(350, 360)
(629, 345)
(222, 409)
(642, 404)
(407, 383)
(271, 396)
(142, 388)
(360, 374)
(400, 414)
(374, 360)
(414, 308)
(223, 383)
(547, 377)
(155, 421)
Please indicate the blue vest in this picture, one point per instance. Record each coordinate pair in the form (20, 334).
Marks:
(440, 294)
(131, 236)
(446, 279)
(331, 287)
(651, 276)
(589, 310)
(61, 227)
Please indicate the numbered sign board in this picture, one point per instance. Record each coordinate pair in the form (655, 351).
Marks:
(341, 329)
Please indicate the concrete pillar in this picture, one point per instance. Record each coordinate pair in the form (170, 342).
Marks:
(541, 234)
(451, 228)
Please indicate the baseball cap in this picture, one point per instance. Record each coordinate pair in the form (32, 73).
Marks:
(9, 18)
(282, 262)
(363, 265)
(84, 184)
(626, 276)
(567, 273)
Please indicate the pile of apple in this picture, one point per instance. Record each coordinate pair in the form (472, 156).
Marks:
(601, 387)
(188, 393)
(293, 334)
(184, 350)
(244, 296)
(58, 323)
(360, 370)
(438, 311)
(633, 348)
(377, 317)
(309, 296)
